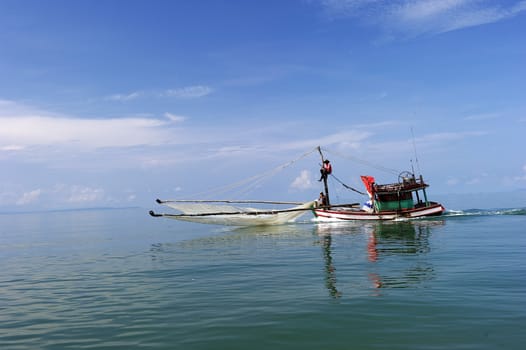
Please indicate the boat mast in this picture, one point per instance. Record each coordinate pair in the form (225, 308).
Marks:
(325, 179)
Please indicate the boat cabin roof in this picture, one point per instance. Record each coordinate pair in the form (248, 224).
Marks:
(408, 185)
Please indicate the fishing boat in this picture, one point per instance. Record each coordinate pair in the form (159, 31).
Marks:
(406, 198)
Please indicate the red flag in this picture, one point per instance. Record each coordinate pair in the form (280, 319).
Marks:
(368, 181)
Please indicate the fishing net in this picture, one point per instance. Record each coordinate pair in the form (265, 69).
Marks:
(236, 215)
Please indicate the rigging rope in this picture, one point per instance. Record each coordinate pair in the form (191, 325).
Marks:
(346, 186)
(254, 181)
(249, 184)
(364, 162)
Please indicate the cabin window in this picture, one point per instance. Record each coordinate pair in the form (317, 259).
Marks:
(395, 197)
(394, 201)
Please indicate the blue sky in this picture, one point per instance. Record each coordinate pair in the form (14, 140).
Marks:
(116, 103)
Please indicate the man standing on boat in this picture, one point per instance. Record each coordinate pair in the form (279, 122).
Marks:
(322, 200)
(326, 169)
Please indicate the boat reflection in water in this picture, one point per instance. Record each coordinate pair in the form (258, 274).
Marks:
(372, 256)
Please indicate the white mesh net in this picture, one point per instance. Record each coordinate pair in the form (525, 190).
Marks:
(236, 216)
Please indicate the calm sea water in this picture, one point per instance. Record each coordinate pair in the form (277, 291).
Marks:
(119, 279)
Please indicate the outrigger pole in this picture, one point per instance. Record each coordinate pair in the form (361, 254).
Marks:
(254, 213)
(161, 201)
(325, 179)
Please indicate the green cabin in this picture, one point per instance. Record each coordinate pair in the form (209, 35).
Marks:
(400, 196)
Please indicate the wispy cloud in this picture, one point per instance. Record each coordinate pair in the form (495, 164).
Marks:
(188, 92)
(174, 118)
(265, 75)
(345, 139)
(443, 137)
(8, 148)
(414, 17)
(29, 197)
(434, 140)
(484, 116)
(82, 194)
(125, 97)
(27, 131)
(24, 127)
(468, 181)
(303, 181)
(60, 195)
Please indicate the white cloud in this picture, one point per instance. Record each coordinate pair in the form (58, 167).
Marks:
(481, 15)
(23, 127)
(303, 181)
(480, 117)
(84, 133)
(449, 136)
(81, 194)
(347, 139)
(10, 148)
(125, 97)
(29, 197)
(63, 195)
(429, 141)
(188, 92)
(413, 17)
(422, 10)
(174, 118)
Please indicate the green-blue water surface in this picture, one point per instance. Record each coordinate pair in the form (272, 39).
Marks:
(119, 279)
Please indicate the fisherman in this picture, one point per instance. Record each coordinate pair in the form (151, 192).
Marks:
(326, 169)
(322, 200)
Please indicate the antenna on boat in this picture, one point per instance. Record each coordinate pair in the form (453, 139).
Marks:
(414, 150)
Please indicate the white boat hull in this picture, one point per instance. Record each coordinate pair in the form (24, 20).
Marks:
(356, 214)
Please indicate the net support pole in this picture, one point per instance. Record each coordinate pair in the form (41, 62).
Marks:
(326, 187)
